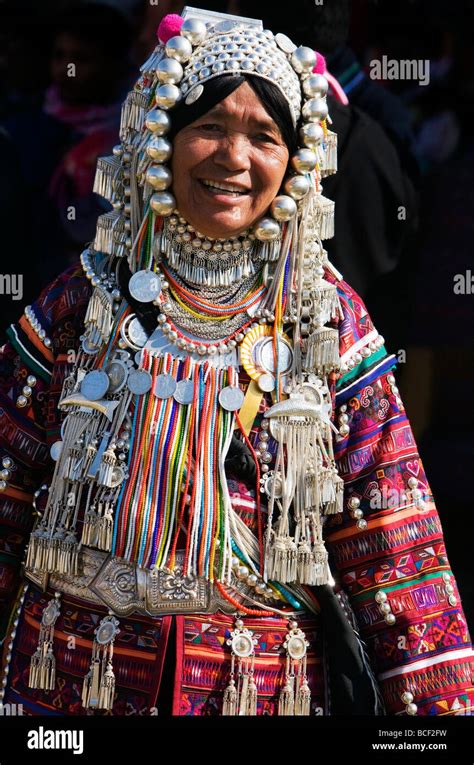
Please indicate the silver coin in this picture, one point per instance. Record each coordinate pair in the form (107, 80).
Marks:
(231, 398)
(266, 382)
(55, 450)
(284, 43)
(194, 94)
(139, 381)
(184, 393)
(266, 359)
(165, 386)
(118, 373)
(95, 385)
(136, 333)
(145, 286)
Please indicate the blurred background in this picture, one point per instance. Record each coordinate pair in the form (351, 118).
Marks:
(404, 193)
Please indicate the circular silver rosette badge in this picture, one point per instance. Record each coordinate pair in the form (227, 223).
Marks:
(107, 630)
(296, 643)
(242, 642)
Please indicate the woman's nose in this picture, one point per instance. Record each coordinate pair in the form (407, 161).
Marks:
(233, 152)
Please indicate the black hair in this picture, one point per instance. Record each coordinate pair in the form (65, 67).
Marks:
(218, 88)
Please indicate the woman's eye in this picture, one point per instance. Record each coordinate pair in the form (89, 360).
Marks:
(210, 127)
(264, 137)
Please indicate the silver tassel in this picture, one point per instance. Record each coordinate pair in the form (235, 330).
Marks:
(105, 176)
(99, 683)
(241, 699)
(322, 351)
(295, 696)
(43, 663)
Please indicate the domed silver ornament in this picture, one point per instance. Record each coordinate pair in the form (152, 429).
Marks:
(315, 110)
(180, 48)
(158, 121)
(297, 186)
(311, 135)
(167, 96)
(162, 203)
(303, 59)
(315, 86)
(169, 71)
(267, 230)
(194, 30)
(304, 161)
(159, 177)
(283, 208)
(159, 149)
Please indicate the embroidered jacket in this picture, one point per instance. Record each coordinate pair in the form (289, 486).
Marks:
(387, 551)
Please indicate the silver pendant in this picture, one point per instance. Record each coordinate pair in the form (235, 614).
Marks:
(118, 373)
(184, 393)
(139, 381)
(145, 286)
(165, 386)
(231, 398)
(95, 385)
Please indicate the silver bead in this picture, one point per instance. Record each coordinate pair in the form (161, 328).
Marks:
(380, 596)
(283, 208)
(159, 177)
(304, 161)
(407, 697)
(169, 71)
(167, 96)
(303, 59)
(353, 502)
(311, 135)
(315, 110)
(315, 86)
(267, 230)
(194, 30)
(297, 186)
(3, 485)
(385, 608)
(8, 463)
(21, 401)
(31, 380)
(412, 482)
(27, 390)
(179, 48)
(390, 619)
(159, 149)
(162, 203)
(158, 121)
(362, 524)
(412, 709)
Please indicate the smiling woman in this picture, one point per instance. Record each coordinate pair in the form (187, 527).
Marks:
(200, 423)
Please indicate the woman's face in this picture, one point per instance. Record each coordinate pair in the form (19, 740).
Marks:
(236, 145)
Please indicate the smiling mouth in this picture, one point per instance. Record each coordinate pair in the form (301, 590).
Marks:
(227, 189)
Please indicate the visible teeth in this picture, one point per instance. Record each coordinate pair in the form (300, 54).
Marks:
(229, 187)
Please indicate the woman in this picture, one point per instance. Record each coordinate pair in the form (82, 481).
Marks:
(238, 521)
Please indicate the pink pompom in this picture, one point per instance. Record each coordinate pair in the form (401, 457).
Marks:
(170, 25)
(320, 67)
